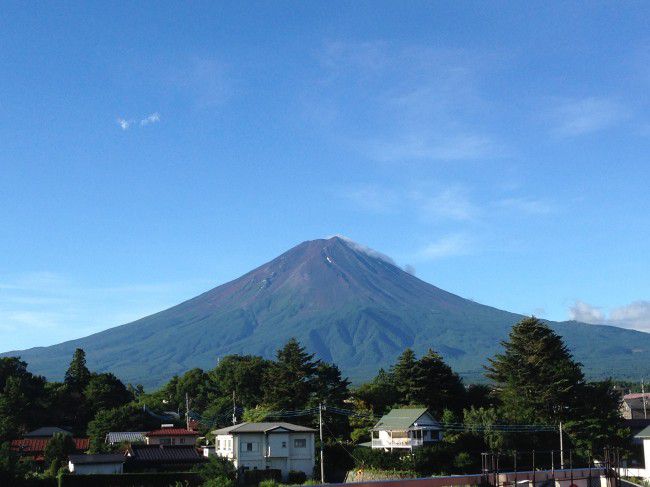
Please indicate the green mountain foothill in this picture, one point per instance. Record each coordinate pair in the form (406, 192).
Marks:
(348, 305)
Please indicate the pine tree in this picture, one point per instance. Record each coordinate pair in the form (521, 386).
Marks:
(436, 385)
(77, 376)
(404, 374)
(535, 377)
(289, 381)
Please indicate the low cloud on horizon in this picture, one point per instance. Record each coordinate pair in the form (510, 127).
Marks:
(635, 315)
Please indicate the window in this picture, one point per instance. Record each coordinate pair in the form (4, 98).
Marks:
(182, 440)
(249, 446)
(300, 443)
(284, 444)
(165, 441)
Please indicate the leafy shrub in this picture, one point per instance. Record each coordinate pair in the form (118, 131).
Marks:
(268, 483)
(219, 482)
(215, 468)
(296, 477)
(257, 477)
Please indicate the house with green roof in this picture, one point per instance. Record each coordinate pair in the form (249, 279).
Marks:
(405, 429)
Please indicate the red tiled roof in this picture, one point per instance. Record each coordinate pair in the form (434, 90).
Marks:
(636, 395)
(172, 432)
(36, 446)
(82, 444)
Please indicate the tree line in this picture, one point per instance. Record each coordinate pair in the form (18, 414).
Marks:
(534, 380)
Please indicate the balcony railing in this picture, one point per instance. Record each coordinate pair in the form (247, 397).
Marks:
(396, 442)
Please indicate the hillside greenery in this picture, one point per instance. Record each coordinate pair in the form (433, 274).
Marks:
(346, 306)
(534, 380)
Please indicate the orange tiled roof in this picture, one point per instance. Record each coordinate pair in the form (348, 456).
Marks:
(36, 446)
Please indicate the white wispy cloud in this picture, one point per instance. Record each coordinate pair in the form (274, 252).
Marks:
(427, 147)
(529, 206)
(575, 117)
(417, 103)
(124, 123)
(586, 313)
(446, 246)
(127, 123)
(451, 203)
(635, 315)
(372, 197)
(153, 118)
(431, 202)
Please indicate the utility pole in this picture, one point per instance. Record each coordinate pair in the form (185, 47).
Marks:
(234, 411)
(187, 411)
(645, 409)
(320, 427)
(561, 448)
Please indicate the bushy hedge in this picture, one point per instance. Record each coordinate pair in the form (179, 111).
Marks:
(296, 477)
(254, 477)
(131, 480)
(33, 482)
(436, 459)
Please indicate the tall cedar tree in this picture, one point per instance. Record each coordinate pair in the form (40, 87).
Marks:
(436, 385)
(379, 394)
(77, 376)
(536, 377)
(404, 374)
(289, 381)
(23, 398)
(71, 399)
(243, 375)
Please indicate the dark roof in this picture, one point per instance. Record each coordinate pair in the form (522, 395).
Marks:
(45, 431)
(120, 436)
(100, 458)
(163, 454)
(262, 428)
(172, 432)
(400, 419)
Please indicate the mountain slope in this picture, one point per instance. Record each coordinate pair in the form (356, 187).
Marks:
(348, 305)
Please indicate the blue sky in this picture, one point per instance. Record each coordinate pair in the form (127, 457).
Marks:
(151, 151)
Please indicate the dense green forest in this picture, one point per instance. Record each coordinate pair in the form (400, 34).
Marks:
(533, 381)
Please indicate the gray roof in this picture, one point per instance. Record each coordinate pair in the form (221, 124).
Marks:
(399, 419)
(45, 431)
(266, 427)
(121, 436)
(644, 433)
(100, 458)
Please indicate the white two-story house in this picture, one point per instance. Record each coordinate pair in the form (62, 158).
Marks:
(405, 428)
(281, 446)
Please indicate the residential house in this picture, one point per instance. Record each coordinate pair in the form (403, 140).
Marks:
(636, 470)
(273, 445)
(157, 458)
(169, 435)
(117, 437)
(111, 463)
(405, 428)
(636, 406)
(32, 445)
